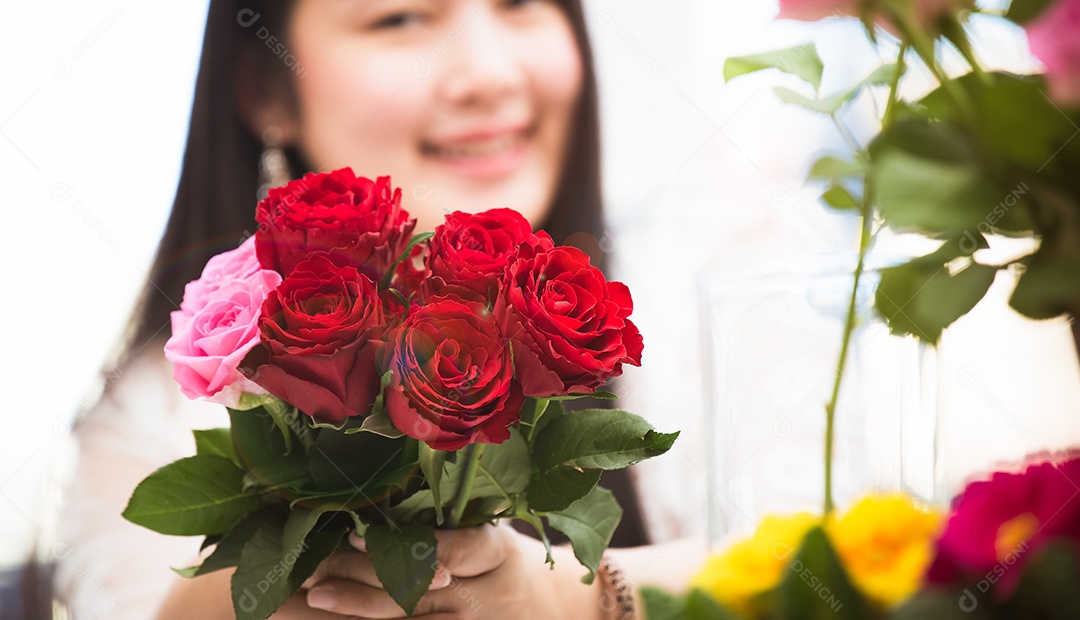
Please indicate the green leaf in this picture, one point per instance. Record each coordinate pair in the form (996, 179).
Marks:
(701, 606)
(297, 527)
(599, 439)
(834, 169)
(589, 523)
(1023, 11)
(815, 586)
(823, 106)
(662, 605)
(555, 410)
(504, 469)
(1015, 124)
(251, 401)
(531, 413)
(801, 61)
(599, 395)
(1047, 587)
(930, 178)
(359, 525)
(280, 411)
(571, 449)
(268, 573)
(227, 551)
(946, 604)
(503, 472)
(529, 516)
(1048, 287)
(198, 495)
(431, 463)
(339, 476)
(215, 442)
(260, 446)
(404, 559)
(882, 75)
(560, 487)
(832, 103)
(839, 198)
(417, 239)
(924, 296)
(379, 424)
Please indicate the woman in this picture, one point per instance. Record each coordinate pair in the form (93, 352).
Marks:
(468, 105)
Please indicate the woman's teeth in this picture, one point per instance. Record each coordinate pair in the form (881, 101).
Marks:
(485, 148)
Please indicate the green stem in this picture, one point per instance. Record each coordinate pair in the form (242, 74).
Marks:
(924, 47)
(894, 85)
(468, 477)
(865, 238)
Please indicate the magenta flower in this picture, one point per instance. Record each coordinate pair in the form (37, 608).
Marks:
(1054, 41)
(997, 524)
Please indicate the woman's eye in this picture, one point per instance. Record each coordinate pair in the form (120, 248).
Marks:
(398, 20)
(513, 4)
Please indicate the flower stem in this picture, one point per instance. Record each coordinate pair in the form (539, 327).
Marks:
(468, 477)
(866, 239)
(845, 345)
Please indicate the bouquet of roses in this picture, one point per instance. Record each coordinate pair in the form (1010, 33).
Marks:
(389, 384)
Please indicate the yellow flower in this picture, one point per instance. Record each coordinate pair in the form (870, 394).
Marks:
(885, 543)
(755, 564)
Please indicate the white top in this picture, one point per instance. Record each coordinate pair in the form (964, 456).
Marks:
(107, 567)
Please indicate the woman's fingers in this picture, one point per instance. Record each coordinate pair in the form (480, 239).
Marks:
(473, 551)
(345, 564)
(296, 608)
(350, 598)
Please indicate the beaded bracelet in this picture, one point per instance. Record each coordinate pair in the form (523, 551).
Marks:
(617, 588)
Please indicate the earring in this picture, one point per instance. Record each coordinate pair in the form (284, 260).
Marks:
(273, 165)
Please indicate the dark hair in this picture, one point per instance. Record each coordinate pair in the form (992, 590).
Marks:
(215, 199)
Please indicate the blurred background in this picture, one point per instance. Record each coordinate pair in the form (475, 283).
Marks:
(699, 175)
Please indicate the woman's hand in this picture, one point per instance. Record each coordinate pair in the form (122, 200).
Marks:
(208, 597)
(483, 572)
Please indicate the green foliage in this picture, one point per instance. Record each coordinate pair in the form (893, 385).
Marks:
(816, 587)
(1049, 584)
(801, 61)
(924, 296)
(200, 495)
(930, 178)
(275, 495)
(694, 605)
(572, 450)
(589, 523)
(1023, 11)
(215, 442)
(832, 103)
(404, 559)
(269, 572)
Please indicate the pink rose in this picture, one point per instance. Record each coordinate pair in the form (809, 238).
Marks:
(1054, 41)
(926, 12)
(813, 10)
(217, 324)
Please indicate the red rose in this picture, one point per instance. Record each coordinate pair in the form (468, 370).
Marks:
(568, 324)
(356, 221)
(316, 333)
(453, 381)
(471, 250)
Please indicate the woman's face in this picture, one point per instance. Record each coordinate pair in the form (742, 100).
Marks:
(467, 104)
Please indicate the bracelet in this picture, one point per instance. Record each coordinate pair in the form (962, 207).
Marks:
(616, 598)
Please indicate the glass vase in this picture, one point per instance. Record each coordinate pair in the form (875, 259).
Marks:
(773, 335)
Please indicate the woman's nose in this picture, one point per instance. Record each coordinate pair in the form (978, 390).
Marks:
(482, 67)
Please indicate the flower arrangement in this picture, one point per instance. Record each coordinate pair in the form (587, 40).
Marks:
(983, 154)
(386, 384)
(1009, 548)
